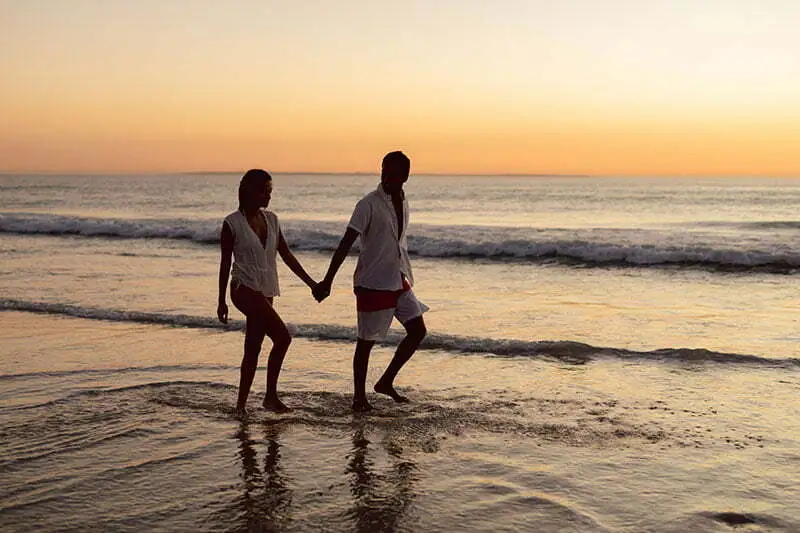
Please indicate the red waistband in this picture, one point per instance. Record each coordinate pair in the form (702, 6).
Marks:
(368, 300)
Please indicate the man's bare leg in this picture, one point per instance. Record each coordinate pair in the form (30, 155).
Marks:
(360, 365)
(415, 332)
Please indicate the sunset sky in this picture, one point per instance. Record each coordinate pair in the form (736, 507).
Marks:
(467, 86)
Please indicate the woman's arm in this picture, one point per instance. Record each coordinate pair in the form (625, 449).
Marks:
(292, 262)
(226, 251)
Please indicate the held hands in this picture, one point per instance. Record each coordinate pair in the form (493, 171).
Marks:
(222, 312)
(321, 290)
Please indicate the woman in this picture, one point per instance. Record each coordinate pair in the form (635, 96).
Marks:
(253, 237)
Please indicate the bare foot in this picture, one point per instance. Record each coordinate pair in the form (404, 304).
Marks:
(361, 406)
(240, 413)
(275, 405)
(389, 391)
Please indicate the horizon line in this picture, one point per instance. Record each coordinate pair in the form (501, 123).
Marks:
(433, 174)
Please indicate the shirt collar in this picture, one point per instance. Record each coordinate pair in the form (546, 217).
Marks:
(388, 197)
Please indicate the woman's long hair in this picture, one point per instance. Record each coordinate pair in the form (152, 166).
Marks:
(253, 181)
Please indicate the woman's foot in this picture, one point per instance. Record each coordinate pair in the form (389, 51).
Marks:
(388, 390)
(275, 405)
(361, 405)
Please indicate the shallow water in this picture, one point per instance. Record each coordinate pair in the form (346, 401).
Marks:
(122, 426)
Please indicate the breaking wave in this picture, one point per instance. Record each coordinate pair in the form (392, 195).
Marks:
(591, 247)
(566, 351)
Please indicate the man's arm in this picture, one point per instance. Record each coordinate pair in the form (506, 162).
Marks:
(226, 251)
(292, 262)
(323, 289)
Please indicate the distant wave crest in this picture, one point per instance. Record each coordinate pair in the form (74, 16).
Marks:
(567, 351)
(41, 224)
(590, 248)
(778, 224)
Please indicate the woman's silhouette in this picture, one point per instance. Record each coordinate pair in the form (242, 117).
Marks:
(253, 238)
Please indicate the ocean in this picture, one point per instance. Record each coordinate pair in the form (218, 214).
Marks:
(604, 354)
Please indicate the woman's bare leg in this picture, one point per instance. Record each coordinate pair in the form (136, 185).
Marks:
(254, 337)
(279, 335)
(262, 320)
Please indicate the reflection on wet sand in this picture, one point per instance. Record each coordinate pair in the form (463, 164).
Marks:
(379, 502)
(267, 498)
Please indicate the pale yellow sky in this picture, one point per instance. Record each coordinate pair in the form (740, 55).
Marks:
(473, 86)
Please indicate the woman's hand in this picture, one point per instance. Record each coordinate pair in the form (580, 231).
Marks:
(222, 312)
(321, 290)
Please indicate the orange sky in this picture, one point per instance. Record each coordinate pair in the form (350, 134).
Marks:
(583, 87)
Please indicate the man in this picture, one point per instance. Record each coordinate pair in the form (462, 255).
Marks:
(382, 278)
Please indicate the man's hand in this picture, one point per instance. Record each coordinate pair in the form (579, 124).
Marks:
(222, 312)
(321, 290)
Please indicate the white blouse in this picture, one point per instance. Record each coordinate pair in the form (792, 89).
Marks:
(254, 265)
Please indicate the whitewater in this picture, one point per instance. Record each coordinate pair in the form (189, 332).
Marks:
(759, 248)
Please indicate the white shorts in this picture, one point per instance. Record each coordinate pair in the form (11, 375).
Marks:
(374, 325)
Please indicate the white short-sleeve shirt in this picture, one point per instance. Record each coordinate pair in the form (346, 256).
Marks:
(255, 266)
(383, 257)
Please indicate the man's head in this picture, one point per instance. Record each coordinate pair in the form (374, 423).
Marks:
(255, 189)
(394, 171)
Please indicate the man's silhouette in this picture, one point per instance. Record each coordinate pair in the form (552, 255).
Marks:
(382, 278)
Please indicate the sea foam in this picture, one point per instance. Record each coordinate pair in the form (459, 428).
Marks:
(590, 247)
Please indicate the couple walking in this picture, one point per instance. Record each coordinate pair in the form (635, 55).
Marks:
(250, 241)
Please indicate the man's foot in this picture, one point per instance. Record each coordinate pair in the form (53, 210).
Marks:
(361, 406)
(240, 413)
(389, 391)
(275, 405)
